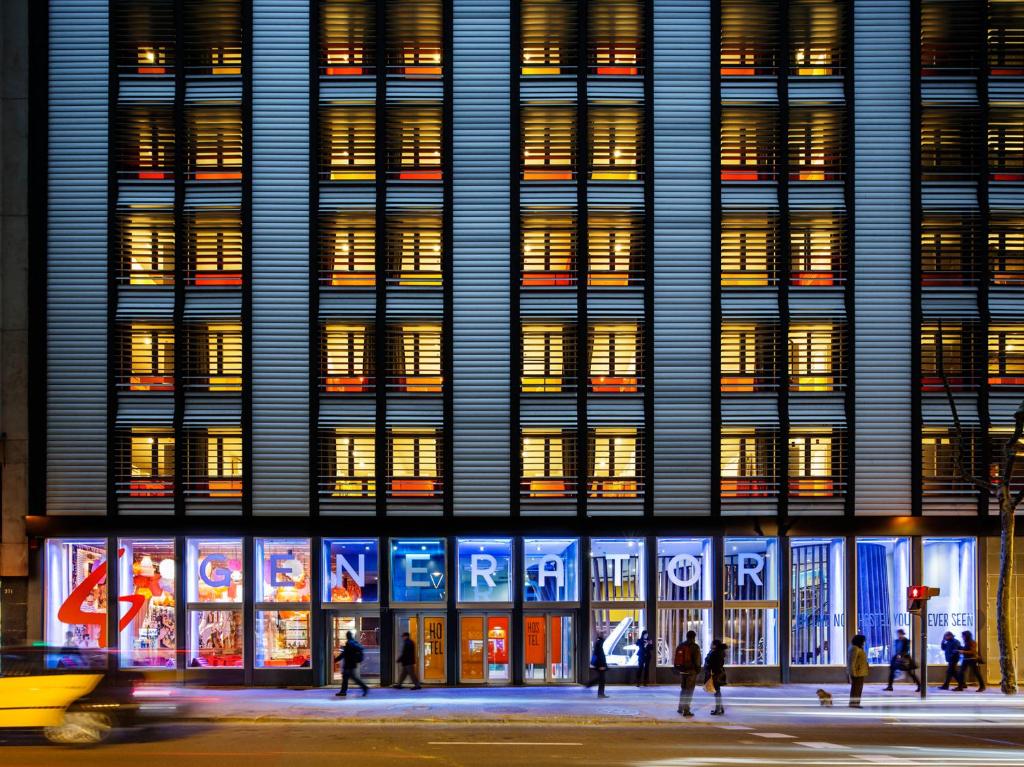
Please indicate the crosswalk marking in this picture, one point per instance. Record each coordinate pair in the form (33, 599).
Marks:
(820, 744)
(776, 735)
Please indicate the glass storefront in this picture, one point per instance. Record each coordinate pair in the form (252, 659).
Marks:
(485, 648)
(214, 584)
(550, 570)
(684, 594)
(75, 599)
(428, 630)
(485, 570)
(883, 575)
(282, 597)
(418, 570)
(752, 601)
(818, 601)
(950, 565)
(146, 585)
(617, 594)
(549, 647)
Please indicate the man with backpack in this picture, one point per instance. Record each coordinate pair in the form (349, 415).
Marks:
(351, 656)
(686, 663)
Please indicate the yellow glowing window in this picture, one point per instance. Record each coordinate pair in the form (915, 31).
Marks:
(1006, 354)
(1006, 250)
(815, 143)
(151, 463)
(414, 37)
(741, 354)
(548, 242)
(546, 461)
(354, 464)
(544, 359)
(348, 143)
(414, 249)
(816, 248)
(815, 28)
(955, 360)
(810, 465)
(151, 357)
(347, 36)
(614, 358)
(414, 143)
(614, 249)
(215, 248)
(348, 249)
(811, 350)
(549, 142)
(146, 141)
(415, 471)
(349, 358)
(615, 136)
(748, 250)
(548, 35)
(748, 145)
(1006, 144)
(147, 248)
(213, 30)
(941, 452)
(220, 351)
(215, 143)
(749, 31)
(416, 357)
(746, 465)
(614, 464)
(224, 462)
(616, 36)
(1006, 38)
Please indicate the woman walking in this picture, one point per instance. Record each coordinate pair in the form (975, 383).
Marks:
(644, 647)
(714, 664)
(970, 665)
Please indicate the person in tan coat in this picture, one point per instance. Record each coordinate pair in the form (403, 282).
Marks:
(857, 668)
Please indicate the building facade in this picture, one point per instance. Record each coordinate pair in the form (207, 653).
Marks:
(515, 324)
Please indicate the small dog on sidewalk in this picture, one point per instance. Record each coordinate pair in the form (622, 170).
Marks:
(824, 698)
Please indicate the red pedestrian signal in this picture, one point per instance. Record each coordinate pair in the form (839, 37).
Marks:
(918, 595)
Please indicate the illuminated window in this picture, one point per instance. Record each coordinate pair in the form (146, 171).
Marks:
(1006, 38)
(347, 31)
(749, 31)
(548, 460)
(748, 144)
(957, 357)
(616, 36)
(615, 464)
(547, 359)
(414, 37)
(348, 358)
(146, 142)
(414, 143)
(216, 463)
(747, 463)
(614, 358)
(1006, 144)
(1006, 249)
(815, 144)
(214, 143)
(949, 142)
(414, 464)
(818, 249)
(816, 37)
(348, 249)
(615, 138)
(946, 463)
(949, 37)
(815, 357)
(615, 248)
(998, 440)
(747, 357)
(215, 357)
(146, 466)
(213, 37)
(748, 249)
(414, 249)
(146, 242)
(549, 249)
(349, 468)
(815, 468)
(1006, 354)
(549, 143)
(548, 35)
(144, 36)
(950, 243)
(348, 144)
(214, 242)
(149, 357)
(415, 358)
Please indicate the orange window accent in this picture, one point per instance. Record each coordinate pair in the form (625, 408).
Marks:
(547, 488)
(352, 280)
(420, 175)
(618, 71)
(152, 70)
(225, 488)
(528, 71)
(421, 384)
(151, 383)
(608, 280)
(738, 71)
(1008, 176)
(744, 488)
(412, 488)
(809, 488)
(422, 71)
(548, 279)
(226, 70)
(613, 384)
(153, 175)
(547, 175)
(348, 384)
(740, 175)
(345, 71)
(221, 280)
(738, 383)
(218, 175)
(813, 279)
(613, 488)
(1006, 381)
(150, 489)
(1007, 72)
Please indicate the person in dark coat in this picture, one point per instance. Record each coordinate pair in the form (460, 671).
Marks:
(350, 657)
(407, 660)
(599, 663)
(686, 663)
(645, 647)
(951, 648)
(902, 660)
(715, 665)
(857, 668)
(971, 662)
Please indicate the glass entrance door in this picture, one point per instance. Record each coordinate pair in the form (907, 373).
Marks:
(428, 631)
(485, 645)
(366, 629)
(549, 648)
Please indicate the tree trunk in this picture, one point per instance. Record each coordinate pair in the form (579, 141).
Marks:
(1005, 612)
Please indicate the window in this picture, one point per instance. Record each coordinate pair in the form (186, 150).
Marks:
(348, 358)
(1005, 38)
(749, 144)
(815, 356)
(549, 462)
(348, 468)
(817, 249)
(144, 36)
(551, 570)
(418, 567)
(816, 145)
(282, 602)
(348, 249)
(951, 565)
(215, 463)
(818, 581)
(615, 249)
(949, 37)
(414, 37)
(816, 37)
(145, 142)
(747, 458)
(351, 568)
(998, 441)
(214, 584)
(414, 249)
(617, 593)
(616, 37)
(749, 30)
(485, 570)
(214, 243)
(816, 463)
(415, 358)
(883, 575)
(75, 592)
(946, 466)
(950, 247)
(548, 34)
(348, 142)
(749, 243)
(146, 247)
(747, 362)
(549, 142)
(548, 360)
(685, 589)
(956, 357)
(214, 143)
(347, 37)
(1006, 249)
(1006, 144)
(615, 358)
(415, 463)
(1006, 354)
(949, 142)
(615, 141)
(146, 571)
(215, 357)
(414, 143)
(752, 601)
(615, 464)
(213, 37)
(147, 357)
(146, 463)
(549, 249)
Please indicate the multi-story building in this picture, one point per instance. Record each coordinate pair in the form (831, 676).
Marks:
(513, 324)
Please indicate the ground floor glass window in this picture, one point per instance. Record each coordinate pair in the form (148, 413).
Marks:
(883, 575)
(950, 565)
(146, 585)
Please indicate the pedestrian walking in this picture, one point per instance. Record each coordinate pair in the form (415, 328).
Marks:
(644, 648)
(350, 657)
(951, 648)
(599, 663)
(902, 660)
(857, 668)
(971, 662)
(715, 670)
(407, 660)
(686, 663)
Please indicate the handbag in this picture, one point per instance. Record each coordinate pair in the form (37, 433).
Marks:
(709, 684)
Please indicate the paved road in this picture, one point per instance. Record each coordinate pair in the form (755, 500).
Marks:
(701, 741)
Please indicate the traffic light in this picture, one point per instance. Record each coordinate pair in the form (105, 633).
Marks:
(918, 595)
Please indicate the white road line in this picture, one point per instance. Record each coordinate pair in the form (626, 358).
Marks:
(776, 735)
(498, 743)
(821, 745)
(733, 727)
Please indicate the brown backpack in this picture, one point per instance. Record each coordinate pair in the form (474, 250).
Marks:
(682, 662)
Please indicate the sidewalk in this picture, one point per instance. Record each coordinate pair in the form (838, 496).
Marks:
(574, 704)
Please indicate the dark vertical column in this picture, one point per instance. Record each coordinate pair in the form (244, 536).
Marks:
(583, 624)
(518, 654)
(248, 608)
(651, 597)
(916, 471)
(387, 629)
(515, 165)
(113, 607)
(319, 647)
(714, 377)
(180, 613)
(247, 224)
(921, 621)
(113, 265)
(582, 259)
(785, 607)
(784, 266)
(647, 339)
(315, 255)
(180, 267)
(850, 605)
(848, 234)
(452, 623)
(380, 357)
(718, 587)
(448, 272)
